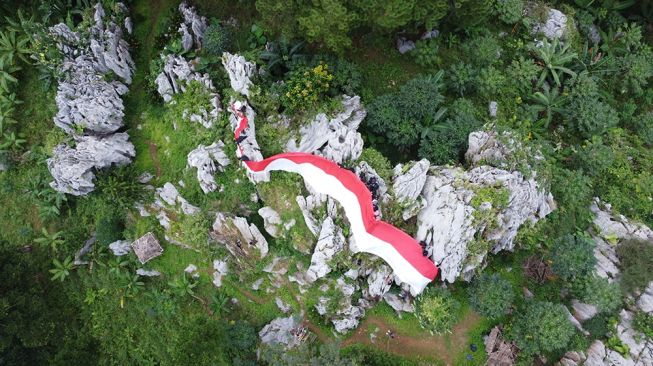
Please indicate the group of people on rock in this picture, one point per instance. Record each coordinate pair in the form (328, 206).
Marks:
(422, 244)
(373, 185)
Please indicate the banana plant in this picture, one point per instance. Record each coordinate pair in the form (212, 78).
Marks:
(62, 270)
(6, 77)
(13, 141)
(53, 240)
(14, 46)
(549, 101)
(280, 54)
(554, 58)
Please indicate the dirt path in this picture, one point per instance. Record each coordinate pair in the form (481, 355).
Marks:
(427, 345)
(155, 158)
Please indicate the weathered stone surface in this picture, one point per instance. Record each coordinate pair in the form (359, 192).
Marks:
(329, 243)
(221, 269)
(308, 204)
(447, 222)
(399, 304)
(645, 301)
(208, 160)
(582, 311)
(407, 187)
(282, 305)
(120, 247)
(73, 169)
(191, 269)
(240, 72)
(89, 107)
(271, 221)
(147, 273)
(177, 74)
(147, 247)
(379, 282)
(241, 238)
(554, 26)
(85, 249)
(336, 137)
(493, 108)
(404, 45)
(288, 332)
(196, 23)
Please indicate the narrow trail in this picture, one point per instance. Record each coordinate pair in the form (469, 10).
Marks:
(428, 346)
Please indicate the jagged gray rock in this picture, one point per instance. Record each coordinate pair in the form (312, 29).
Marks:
(404, 45)
(555, 26)
(240, 72)
(335, 138)
(208, 160)
(89, 107)
(273, 223)
(288, 332)
(582, 311)
(239, 236)
(147, 273)
(447, 222)
(175, 77)
(120, 247)
(329, 243)
(73, 169)
(221, 269)
(407, 187)
(399, 304)
(379, 282)
(196, 23)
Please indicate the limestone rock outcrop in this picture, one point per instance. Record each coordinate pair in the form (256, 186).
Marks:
(289, 332)
(243, 240)
(197, 25)
(329, 243)
(208, 160)
(90, 108)
(336, 137)
(73, 168)
(240, 72)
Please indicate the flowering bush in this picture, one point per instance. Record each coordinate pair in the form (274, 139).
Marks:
(305, 86)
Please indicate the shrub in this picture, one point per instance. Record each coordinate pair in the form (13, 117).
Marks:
(447, 142)
(437, 310)
(573, 192)
(490, 82)
(572, 256)
(347, 77)
(523, 74)
(597, 326)
(643, 323)
(305, 86)
(510, 11)
(491, 296)
(636, 261)
(599, 292)
(589, 116)
(461, 78)
(217, 39)
(108, 227)
(643, 126)
(541, 327)
(426, 52)
(378, 162)
(401, 116)
(482, 51)
(594, 157)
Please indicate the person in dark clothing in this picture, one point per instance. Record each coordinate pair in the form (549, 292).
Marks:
(243, 158)
(241, 138)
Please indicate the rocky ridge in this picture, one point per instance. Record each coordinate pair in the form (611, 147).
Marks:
(90, 108)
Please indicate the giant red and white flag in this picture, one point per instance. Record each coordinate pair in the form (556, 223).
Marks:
(398, 249)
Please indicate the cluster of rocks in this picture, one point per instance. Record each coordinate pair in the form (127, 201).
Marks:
(448, 222)
(90, 108)
(243, 240)
(288, 332)
(208, 160)
(609, 231)
(178, 72)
